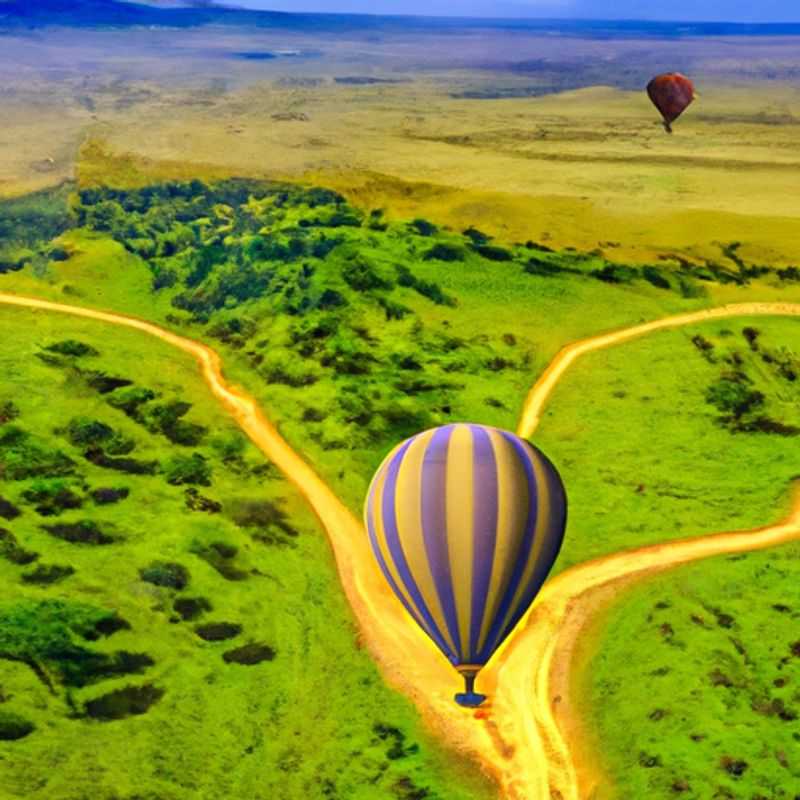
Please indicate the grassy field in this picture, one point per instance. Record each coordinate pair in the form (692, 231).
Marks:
(353, 331)
(691, 689)
(649, 443)
(693, 692)
(171, 622)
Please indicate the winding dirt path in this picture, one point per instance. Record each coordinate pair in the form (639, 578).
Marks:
(520, 739)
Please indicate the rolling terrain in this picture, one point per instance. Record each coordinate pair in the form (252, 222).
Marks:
(510, 239)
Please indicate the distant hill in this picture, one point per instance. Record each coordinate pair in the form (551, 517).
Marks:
(187, 14)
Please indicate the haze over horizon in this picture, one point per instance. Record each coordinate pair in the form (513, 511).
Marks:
(767, 11)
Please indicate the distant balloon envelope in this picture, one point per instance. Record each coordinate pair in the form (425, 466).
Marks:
(671, 93)
(466, 522)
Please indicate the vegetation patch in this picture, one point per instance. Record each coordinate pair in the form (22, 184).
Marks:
(249, 654)
(85, 531)
(218, 631)
(105, 496)
(167, 574)
(190, 608)
(24, 456)
(52, 498)
(11, 550)
(13, 726)
(47, 574)
(49, 636)
(122, 703)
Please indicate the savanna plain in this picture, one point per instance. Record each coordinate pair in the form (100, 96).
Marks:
(380, 230)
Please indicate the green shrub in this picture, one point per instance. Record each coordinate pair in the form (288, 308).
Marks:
(493, 252)
(443, 251)
(192, 470)
(82, 431)
(23, 457)
(423, 227)
(72, 347)
(13, 726)
(362, 276)
(8, 411)
(167, 574)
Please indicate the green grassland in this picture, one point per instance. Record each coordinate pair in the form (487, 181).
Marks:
(353, 331)
(677, 434)
(171, 622)
(691, 689)
(694, 690)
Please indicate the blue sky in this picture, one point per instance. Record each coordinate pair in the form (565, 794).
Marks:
(710, 10)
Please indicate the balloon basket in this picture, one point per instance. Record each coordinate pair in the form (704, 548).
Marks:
(469, 699)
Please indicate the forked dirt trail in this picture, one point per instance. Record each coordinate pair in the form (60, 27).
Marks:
(520, 737)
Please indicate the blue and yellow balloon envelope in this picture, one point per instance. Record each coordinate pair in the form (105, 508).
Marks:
(466, 522)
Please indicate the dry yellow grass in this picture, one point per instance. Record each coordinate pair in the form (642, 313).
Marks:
(586, 168)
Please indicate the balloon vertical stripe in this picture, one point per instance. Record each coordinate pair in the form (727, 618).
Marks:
(460, 496)
(434, 525)
(522, 552)
(484, 530)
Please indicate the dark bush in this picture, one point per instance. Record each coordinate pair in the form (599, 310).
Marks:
(131, 466)
(105, 384)
(423, 227)
(47, 574)
(164, 278)
(8, 510)
(218, 631)
(443, 251)
(540, 266)
(615, 273)
(313, 415)
(249, 654)
(193, 470)
(733, 766)
(190, 608)
(11, 550)
(329, 299)
(476, 237)
(392, 309)
(492, 252)
(167, 574)
(130, 400)
(106, 496)
(72, 347)
(82, 431)
(789, 274)
(51, 499)
(13, 727)
(83, 532)
(751, 335)
(655, 277)
(704, 346)
(732, 394)
(197, 502)
(122, 703)
(220, 557)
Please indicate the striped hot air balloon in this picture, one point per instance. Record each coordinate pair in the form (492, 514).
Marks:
(466, 522)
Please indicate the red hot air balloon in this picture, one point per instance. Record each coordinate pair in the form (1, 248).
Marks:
(671, 94)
